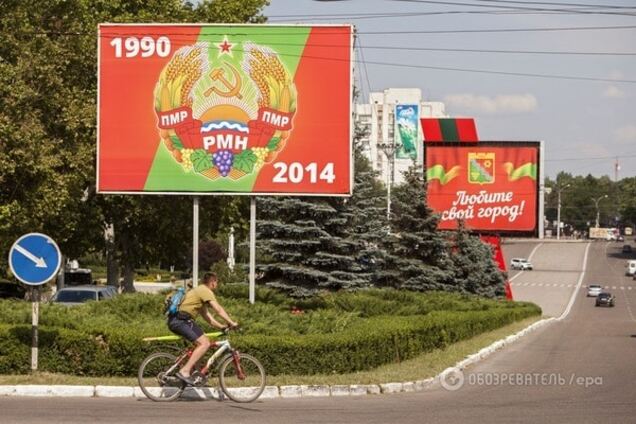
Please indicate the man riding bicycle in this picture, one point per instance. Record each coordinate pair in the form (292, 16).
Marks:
(198, 301)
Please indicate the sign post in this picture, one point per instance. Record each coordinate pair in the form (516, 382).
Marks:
(34, 260)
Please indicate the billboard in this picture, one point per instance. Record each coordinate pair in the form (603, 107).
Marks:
(491, 186)
(237, 109)
(406, 131)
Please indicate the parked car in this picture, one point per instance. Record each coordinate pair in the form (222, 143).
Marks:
(520, 263)
(11, 290)
(605, 299)
(631, 268)
(79, 294)
(594, 290)
(627, 248)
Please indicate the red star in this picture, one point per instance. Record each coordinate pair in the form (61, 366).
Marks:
(225, 46)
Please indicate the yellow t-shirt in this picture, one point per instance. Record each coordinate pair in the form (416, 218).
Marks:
(196, 299)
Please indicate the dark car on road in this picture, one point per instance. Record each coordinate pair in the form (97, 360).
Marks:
(605, 299)
(79, 294)
(627, 248)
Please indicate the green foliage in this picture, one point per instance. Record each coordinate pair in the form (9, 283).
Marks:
(48, 94)
(344, 332)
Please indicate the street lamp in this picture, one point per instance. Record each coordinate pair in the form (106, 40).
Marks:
(559, 189)
(389, 150)
(596, 204)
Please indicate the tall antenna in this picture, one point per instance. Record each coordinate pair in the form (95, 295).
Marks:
(617, 168)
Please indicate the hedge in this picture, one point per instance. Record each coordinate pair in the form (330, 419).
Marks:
(365, 344)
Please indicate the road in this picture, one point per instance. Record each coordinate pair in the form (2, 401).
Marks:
(579, 369)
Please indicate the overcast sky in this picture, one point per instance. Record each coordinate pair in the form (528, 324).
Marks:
(585, 123)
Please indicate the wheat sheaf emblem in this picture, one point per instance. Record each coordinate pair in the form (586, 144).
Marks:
(224, 115)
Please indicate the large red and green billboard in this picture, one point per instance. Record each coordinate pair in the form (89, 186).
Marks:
(242, 109)
(490, 186)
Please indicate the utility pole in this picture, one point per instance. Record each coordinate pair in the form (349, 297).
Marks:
(597, 210)
(559, 189)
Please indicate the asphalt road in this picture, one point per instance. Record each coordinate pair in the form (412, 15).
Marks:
(577, 370)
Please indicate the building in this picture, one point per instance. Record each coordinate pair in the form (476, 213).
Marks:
(377, 121)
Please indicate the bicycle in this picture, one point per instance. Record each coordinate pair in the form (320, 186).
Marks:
(241, 376)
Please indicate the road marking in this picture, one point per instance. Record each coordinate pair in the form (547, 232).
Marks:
(578, 286)
(540, 284)
(622, 288)
(533, 284)
(614, 288)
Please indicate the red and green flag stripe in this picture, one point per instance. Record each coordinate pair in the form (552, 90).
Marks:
(449, 129)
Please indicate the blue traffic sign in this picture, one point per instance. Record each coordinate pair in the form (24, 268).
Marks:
(35, 259)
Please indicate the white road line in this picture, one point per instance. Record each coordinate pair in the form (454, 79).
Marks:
(533, 284)
(613, 287)
(622, 288)
(540, 284)
(578, 286)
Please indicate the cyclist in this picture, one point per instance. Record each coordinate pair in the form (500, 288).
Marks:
(198, 301)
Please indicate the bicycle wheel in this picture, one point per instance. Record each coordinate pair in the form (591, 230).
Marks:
(157, 378)
(242, 387)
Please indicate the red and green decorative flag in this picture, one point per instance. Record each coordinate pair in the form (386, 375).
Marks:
(449, 129)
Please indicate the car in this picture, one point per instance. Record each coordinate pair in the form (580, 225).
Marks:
(627, 248)
(11, 290)
(620, 238)
(605, 299)
(594, 290)
(520, 263)
(79, 294)
(631, 268)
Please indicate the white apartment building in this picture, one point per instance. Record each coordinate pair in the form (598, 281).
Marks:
(377, 118)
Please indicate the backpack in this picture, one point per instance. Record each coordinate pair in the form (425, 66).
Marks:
(173, 301)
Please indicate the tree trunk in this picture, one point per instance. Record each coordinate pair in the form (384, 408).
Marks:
(112, 264)
(129, 278)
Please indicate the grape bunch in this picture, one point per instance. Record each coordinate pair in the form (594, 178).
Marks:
(223, 160)
(186, 160)
(260, 153)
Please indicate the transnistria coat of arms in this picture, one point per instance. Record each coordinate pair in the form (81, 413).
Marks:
(221, 113)
(481, 168)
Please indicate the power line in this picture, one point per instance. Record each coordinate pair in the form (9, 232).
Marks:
(536, 9)
(518, 74)
(591, 158)
(545, 52)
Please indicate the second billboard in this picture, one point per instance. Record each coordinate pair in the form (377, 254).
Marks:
(491, 186)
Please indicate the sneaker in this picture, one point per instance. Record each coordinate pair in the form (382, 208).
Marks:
(185, 379)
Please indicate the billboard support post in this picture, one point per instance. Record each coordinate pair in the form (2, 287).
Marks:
(252, 249)
(195, 241)
(541, 217)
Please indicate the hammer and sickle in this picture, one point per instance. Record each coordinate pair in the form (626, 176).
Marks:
(233, 90)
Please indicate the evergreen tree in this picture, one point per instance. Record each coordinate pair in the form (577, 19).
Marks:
(368, 227)
(475, 270)
(301, 248)
(421, 253)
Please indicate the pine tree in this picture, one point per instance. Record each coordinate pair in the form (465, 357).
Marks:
(421, 252)
(302, 247)
(475, 270)
(367, 227)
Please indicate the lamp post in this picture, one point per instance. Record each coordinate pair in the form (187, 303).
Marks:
(596, 204)
(559, 189)
(389, 150)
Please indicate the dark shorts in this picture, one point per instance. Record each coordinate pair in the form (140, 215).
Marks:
(185, 327)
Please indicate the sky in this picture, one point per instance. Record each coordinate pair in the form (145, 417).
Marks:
(583, 106)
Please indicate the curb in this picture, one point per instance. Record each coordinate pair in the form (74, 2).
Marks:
(276, 392)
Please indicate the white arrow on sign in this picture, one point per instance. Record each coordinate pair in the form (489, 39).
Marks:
(39, 262)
